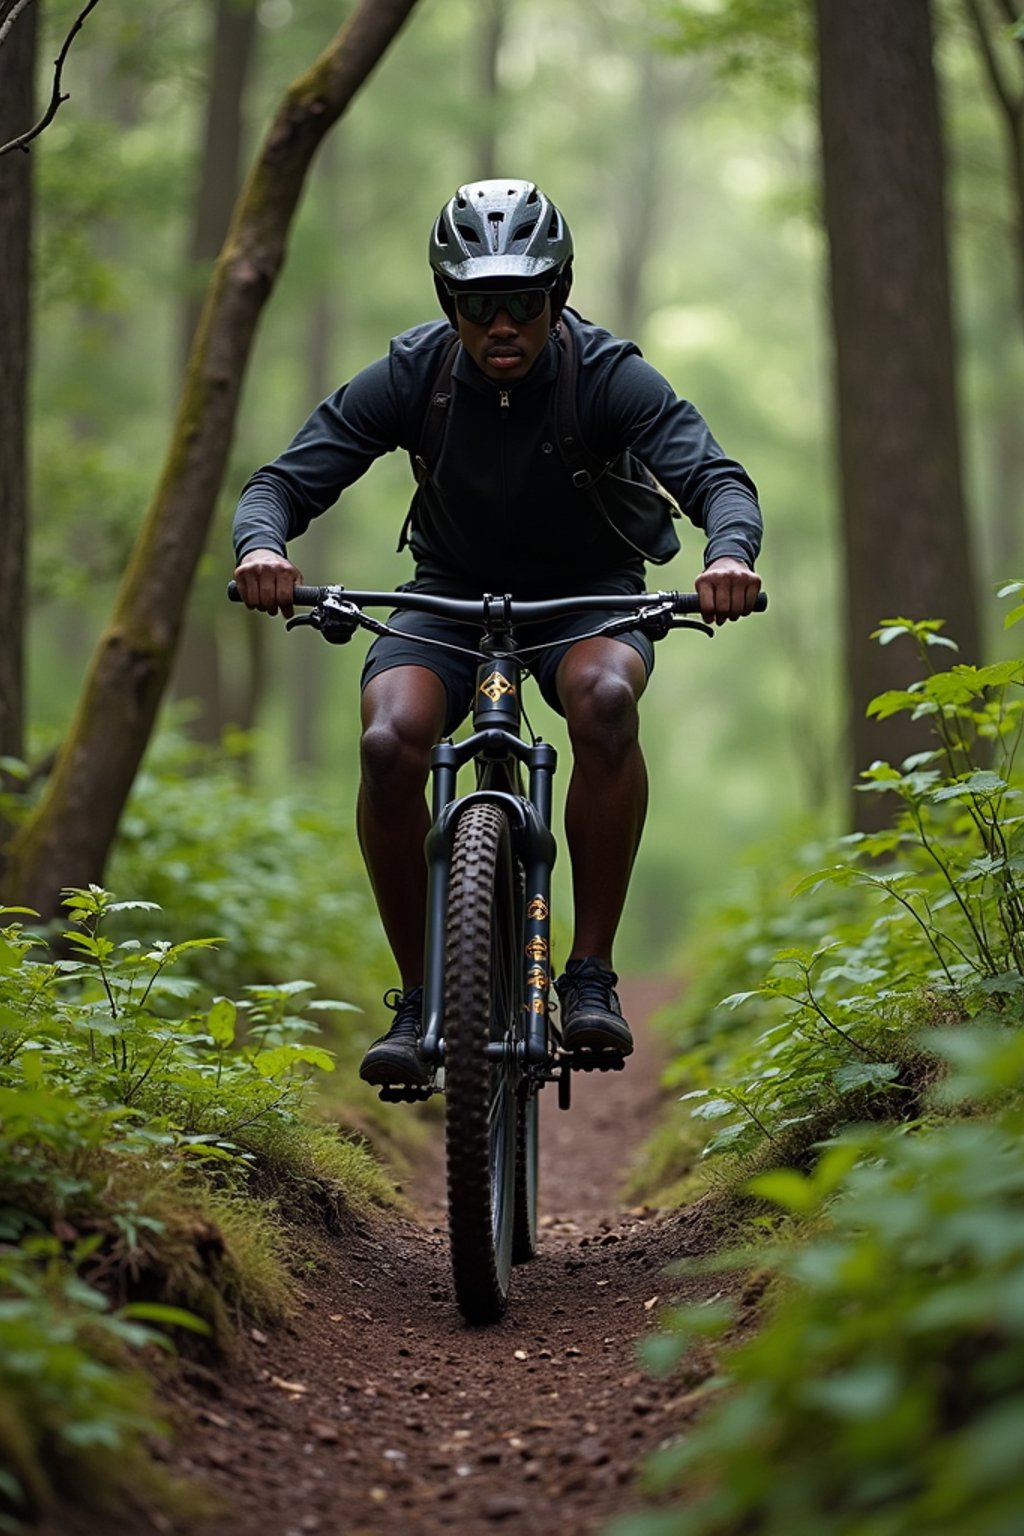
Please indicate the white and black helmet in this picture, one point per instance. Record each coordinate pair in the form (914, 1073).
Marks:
(501, 232)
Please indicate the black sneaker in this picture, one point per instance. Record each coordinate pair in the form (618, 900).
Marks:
(395, 1057)
(591, 1015)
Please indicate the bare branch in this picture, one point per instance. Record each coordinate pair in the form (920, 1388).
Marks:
(10, 10)
(24, 140)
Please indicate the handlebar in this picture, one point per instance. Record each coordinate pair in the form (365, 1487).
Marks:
(483, 610)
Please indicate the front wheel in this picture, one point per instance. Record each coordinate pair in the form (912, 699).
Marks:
(482, 1003)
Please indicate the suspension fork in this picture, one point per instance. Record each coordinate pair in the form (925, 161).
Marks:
(529, 821)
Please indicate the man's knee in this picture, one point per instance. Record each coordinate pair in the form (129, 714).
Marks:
(599, 697)
(403, 714)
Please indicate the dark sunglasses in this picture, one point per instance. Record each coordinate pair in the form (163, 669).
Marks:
(522, 305)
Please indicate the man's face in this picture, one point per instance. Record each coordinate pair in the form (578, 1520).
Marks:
(503, 348)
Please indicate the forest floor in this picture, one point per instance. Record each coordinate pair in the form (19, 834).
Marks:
(376, 1409)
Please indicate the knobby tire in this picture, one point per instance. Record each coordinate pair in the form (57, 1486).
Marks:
(482, 1003)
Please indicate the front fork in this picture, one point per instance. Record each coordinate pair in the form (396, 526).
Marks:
(532, 843)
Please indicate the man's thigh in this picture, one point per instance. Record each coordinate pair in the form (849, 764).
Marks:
(415, 646)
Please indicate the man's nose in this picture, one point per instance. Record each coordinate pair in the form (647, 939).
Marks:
(502, 322)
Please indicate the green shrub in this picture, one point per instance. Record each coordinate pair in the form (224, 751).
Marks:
(278, 876)
(884, 1395)
(149, 1142)
(920, 923)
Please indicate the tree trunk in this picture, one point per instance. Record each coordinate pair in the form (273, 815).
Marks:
(1002, 58)
(197, 672)
(67, 840)
(638, 200)
(17, 67)
(904, 530)
(491, 35)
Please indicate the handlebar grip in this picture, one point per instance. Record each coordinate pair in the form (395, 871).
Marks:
(689, 602)
(304, 597)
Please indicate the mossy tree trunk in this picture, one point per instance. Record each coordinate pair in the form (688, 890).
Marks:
(17, 63)
(67, 840)
(233, 32)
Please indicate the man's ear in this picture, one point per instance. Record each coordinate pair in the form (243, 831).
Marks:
(446, 301)
(560, 296)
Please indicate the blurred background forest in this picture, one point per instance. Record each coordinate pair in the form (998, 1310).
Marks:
(682, 142)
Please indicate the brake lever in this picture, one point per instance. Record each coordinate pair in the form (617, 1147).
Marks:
(334, 618)
(705, 629)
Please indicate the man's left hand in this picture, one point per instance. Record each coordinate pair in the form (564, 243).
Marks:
(727, 590)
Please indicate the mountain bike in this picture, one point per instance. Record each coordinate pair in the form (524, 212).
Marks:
(490, 1035)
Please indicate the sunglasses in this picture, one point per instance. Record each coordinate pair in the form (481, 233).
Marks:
(522, 305)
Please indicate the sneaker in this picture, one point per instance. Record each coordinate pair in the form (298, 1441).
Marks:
(591, 1015)
(395, 1057)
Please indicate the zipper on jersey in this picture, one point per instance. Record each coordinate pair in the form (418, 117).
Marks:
(503, 409)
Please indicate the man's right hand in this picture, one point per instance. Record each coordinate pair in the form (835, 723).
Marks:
(267, 580)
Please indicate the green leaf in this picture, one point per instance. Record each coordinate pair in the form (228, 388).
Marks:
(980, 783)
(892, 702)
(660, 1353)
(864, 1074)
(859, 1394)
(713, 1109)
(788, 1189)
(839, 874)
(283, 1058)
(220, 1021)
(170, 1317)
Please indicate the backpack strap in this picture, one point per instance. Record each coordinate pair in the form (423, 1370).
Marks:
(584, 466)
(435, 424)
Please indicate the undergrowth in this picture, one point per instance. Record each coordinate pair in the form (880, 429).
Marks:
(159, 1164)
(867, 1087)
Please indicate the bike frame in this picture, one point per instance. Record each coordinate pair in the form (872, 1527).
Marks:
(499, 752)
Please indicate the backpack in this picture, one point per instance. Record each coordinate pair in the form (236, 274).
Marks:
(622, 490)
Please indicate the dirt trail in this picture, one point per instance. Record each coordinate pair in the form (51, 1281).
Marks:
(378, 1410)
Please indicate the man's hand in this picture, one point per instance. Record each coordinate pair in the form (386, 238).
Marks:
(267, 581)
(727, 590)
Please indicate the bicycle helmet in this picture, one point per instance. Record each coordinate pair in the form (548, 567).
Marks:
(501, 232)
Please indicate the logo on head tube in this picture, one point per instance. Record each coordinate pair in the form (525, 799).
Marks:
(495, 687)
(537, 977)
(537, 949)
(538, 909)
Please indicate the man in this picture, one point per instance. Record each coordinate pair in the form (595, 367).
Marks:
(497, 510)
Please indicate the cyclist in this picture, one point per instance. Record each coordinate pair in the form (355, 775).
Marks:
(500, 508)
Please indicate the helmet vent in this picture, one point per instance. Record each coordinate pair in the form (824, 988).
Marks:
(468, 233)
(523, 233)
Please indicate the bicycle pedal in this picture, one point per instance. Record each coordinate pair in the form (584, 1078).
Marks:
(586, 1060)
(404, 1093)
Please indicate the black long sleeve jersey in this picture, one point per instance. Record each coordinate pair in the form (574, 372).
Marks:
(500, 512)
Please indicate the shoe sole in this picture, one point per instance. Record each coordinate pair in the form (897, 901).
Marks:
(596, 1038)
(391, 1074)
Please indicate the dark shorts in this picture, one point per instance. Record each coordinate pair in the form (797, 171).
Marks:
(457, 671)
